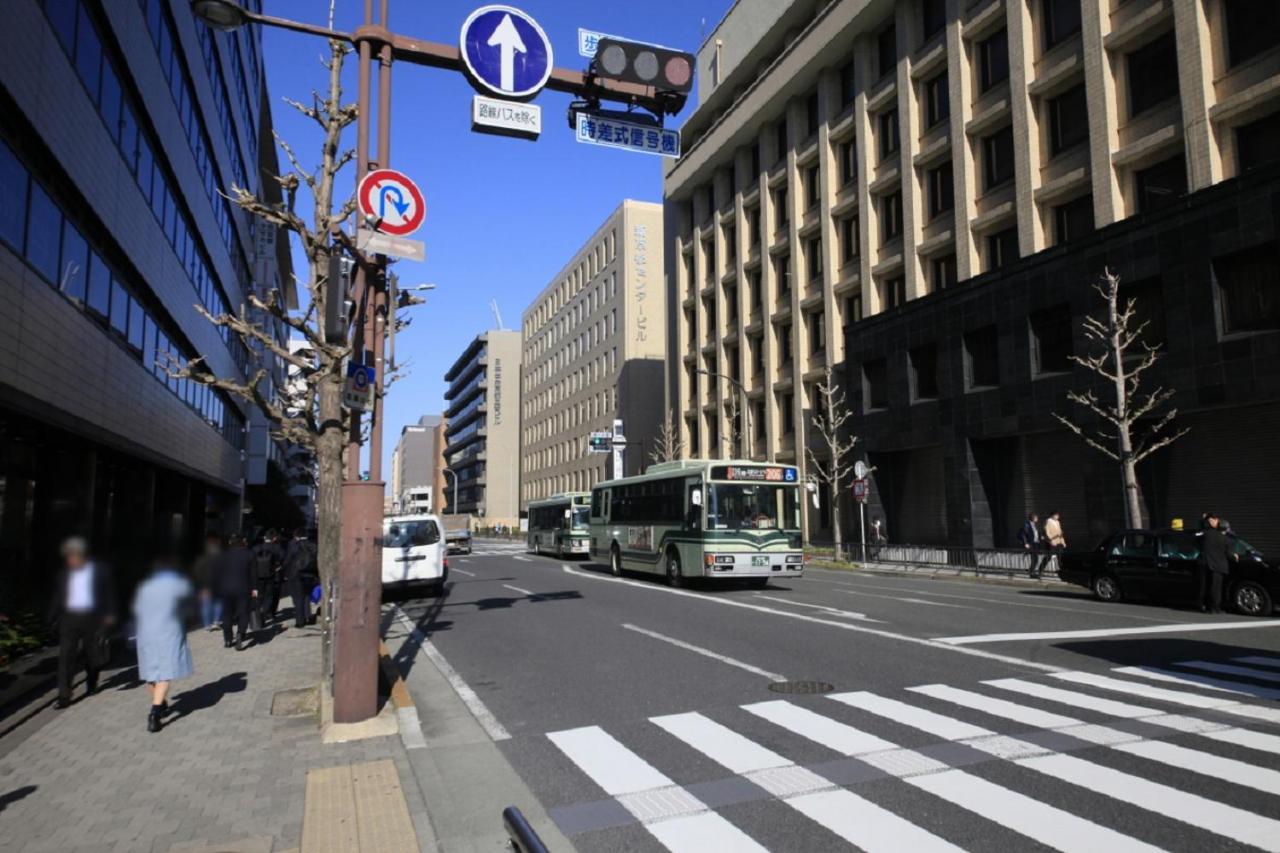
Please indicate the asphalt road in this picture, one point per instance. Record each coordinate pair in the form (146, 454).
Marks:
(959, 714)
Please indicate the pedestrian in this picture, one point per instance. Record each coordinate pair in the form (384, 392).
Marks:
(268, 560)
(1214, 564)
(1053, 538)
(159, 612)
(1029, 536)
(83, 608)
(299, 569)
(237, 587)
(878, 536)
(205, 573)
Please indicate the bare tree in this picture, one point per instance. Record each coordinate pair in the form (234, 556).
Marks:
(733, 425)
(1121, 356)
(307, 410)
(830, 419)
(668, 446)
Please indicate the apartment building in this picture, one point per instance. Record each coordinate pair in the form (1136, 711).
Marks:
(417, 465)
(855, 159)
(594, 343)
(483, 414)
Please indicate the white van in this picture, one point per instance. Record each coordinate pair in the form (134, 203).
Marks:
(413, 552)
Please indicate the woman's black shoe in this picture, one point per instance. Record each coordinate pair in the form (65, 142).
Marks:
(153, 719)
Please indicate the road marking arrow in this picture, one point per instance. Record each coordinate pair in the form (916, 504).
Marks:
(508, 41)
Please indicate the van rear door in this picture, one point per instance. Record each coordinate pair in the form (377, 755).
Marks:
(412, 551)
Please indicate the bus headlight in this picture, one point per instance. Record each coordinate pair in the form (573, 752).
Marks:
(793, 559)
(724, 558)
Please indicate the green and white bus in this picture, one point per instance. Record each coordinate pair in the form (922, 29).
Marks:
(558, 524)
(701, 518)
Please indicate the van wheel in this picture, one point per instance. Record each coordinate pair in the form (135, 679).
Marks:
(1106, 587)
(615, 561)
(1251, 599)
(673, 570)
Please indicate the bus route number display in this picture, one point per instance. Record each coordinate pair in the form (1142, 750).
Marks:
(754, 474)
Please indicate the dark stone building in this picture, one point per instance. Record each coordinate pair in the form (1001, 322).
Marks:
(956, 392)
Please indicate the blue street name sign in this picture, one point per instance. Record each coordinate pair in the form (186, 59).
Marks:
(505, 52)
(628, 135)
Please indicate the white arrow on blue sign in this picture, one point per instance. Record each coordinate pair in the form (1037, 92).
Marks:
(505, 52)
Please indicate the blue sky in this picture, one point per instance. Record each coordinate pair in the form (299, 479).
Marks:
(503, 215)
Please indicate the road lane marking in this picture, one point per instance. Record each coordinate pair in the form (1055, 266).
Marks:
(517, 589)
(465, 572)
(848, 614)
(755, 670)
(858, 821)
(1177, 697)
(906, 599)
(1202, 681)
(679, 820)
(475, 705)
(844, 626)
(1177, 628)
(1227, 669)
(523, 559)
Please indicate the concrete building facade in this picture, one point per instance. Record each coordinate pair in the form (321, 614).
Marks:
(122, 126)
(848, 158)
(482, 439)
(417, 463)
(593, 343)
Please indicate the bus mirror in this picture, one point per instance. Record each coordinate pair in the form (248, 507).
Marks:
(695, 497)
(568, 513)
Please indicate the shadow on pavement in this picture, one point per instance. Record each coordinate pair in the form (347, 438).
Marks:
(208, 695)
(16, 794)
(1163, 651)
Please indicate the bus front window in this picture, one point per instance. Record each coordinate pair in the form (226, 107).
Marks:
(581, 516)
(741, 506)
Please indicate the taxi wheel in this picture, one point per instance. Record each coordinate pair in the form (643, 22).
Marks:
(1251, 599)
(615, 561)
(673, 570)
(1106, 587)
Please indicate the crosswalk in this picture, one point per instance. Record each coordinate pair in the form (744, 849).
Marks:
(1179, 752)
(493, 548)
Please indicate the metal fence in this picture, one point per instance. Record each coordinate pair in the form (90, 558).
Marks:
(1006, 562)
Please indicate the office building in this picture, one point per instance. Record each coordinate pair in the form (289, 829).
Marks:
(417, 466)
(594, 341)
(854, 162)
(482, 408)
(122, 125)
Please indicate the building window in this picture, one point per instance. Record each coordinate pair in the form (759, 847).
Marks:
(997, 158)
(1153, 74)
(1161, 185)
(817, 332)
(875, 384)
(852, 309)
(1051, 340)
(933, 17)
(780, 138)
(811, 114)
(754, 291)
(784, 343)
(924, 372)
(787, 411)
(812, 187)
(753, 226)
(890, 217)
(943, 272)
(1258, 143)
(1073, 219)
(782, 274)
(888, 134)
(13, 188)
(757, 355)
(1060, 20)
(937, 101)
(1252, 28)
(993, 61)
(708, 261)
(848, 83)
(887, 50)
(1148, 306)
(1249, 289)
(941, 190)
(731, 304)
(982, 358)
(1002, 248)
(849, 238)
(813, 255)
(848, 162)
(893, 292)
(44, 231)
(1068, 120)
(780, 213)
(730, 244)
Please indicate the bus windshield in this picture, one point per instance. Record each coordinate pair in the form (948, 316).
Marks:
(581, 515)
(742, 506)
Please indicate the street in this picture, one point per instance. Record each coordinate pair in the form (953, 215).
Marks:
(847, 709)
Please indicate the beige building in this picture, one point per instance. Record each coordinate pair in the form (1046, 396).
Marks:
(417, 464)
(847, 157)
(482, 439)
(593, 343)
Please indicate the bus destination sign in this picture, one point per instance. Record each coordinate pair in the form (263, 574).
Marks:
(755, 473)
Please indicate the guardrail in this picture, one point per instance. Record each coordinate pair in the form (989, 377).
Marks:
(520, 833)
(1007, 562)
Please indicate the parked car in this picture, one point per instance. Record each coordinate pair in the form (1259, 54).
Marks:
(413, 552)
(1165, 564)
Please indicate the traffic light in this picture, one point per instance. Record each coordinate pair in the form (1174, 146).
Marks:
(632, 62)
(600, 442)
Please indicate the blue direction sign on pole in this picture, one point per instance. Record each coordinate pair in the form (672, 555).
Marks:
(505, 52)
(596, 129)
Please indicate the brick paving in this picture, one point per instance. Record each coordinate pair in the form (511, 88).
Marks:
(223, 774)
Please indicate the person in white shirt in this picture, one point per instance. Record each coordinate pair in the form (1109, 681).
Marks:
(83, 608)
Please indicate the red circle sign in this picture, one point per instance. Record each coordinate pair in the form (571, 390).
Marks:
(393, 200)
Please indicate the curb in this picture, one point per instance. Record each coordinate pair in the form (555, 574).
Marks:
(406, 711)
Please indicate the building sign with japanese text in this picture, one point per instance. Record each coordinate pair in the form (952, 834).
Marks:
(640, 261)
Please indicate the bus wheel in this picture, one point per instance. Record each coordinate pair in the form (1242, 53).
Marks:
(560, 550)
(615, 561)
(673, 570)
(757, 583)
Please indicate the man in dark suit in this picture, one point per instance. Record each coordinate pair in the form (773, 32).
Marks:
(1029, 536)
(1215, 563)
(83, 606)
(299, 570)
(236, 584)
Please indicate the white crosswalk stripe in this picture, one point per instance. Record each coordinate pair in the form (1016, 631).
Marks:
(678, 819)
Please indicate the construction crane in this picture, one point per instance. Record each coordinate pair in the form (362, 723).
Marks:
(497, 315)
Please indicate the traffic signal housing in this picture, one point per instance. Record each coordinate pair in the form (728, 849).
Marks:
(664, 69)
(600, 442)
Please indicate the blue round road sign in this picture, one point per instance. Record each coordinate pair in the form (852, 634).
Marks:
(506, 52)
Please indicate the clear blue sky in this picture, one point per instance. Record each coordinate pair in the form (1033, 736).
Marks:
(503, 215)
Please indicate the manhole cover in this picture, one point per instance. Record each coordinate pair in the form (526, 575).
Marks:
(295, 703)
(801, 687)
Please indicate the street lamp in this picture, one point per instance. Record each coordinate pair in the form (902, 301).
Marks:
(220, 14)
(749, 441)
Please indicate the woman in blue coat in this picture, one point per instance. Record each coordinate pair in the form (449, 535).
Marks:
(163, 654)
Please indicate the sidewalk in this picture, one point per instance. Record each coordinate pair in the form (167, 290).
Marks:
(223, 775)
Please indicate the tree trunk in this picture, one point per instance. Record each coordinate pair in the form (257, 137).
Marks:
(835, 517)
(329, 445)
(1132, 495)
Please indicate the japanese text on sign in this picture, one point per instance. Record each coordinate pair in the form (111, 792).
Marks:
(628, 135)
(640, 237)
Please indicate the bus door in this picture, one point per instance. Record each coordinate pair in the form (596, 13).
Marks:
(695, 498)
